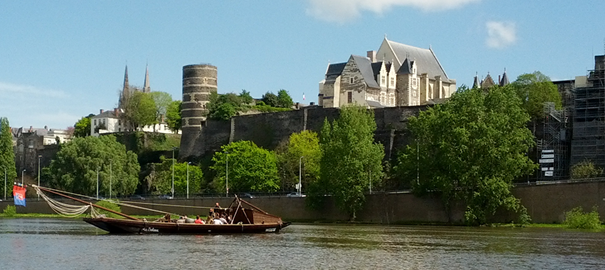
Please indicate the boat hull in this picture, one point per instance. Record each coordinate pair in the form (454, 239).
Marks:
(125, 226)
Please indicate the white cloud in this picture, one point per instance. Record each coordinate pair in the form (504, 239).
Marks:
(342, 11)
(12, 89)
(500, 34)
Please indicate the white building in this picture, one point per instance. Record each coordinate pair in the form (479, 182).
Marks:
(110, 122)
(396, 75)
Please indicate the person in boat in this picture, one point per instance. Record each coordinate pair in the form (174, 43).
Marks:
(165, 218)
(222, 219)
(198, 220)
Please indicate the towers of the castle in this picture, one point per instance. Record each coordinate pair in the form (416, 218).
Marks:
(199, 82)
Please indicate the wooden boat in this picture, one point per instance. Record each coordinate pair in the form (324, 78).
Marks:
(245, 218)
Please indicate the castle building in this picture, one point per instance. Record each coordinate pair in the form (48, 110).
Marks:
(489, 82)
(395, 75)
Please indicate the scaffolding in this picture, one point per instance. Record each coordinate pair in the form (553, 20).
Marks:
(588, 142)
(553, 147)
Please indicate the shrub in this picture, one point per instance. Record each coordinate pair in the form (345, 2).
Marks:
(10, 211)
(110, 205)
(578, 219)
(585, 169)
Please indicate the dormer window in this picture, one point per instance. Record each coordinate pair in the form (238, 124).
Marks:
(383, 80)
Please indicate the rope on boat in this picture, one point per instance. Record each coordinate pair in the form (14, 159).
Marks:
(63, 209)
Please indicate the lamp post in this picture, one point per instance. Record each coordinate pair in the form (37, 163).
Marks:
(227, 175)
(188, 180)
(110, 176)
(5, 184)
(172, 189)
(97, 183)
(39, 158)
(300, 176)
(22, 174)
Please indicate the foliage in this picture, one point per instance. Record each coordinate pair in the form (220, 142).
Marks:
(75, 167)
(245, 97)
(578, 219)
(7, 155)
(306, 145)
(349, 157)
(160, 179)
(534, 89)
(262, 107)
(470, 149)
(270, 99)
(173, 116)
(140, 110)
(109, 204)
(283, 99)
(585, 169)
(223, 107)
(83, 126)
(250, 168)
(162, 101)
(10, 211)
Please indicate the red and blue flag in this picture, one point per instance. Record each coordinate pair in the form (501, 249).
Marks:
(19, 195)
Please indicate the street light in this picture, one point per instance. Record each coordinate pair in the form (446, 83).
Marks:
(97, 183)
(227, 175)
(300, 176)
(22, 174)
(39, 158)
(172, 190)
(5, 184)
(110, 176)
(188, 180)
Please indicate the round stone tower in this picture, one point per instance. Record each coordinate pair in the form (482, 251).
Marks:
(199, 81)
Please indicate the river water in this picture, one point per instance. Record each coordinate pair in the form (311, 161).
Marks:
(73, 244)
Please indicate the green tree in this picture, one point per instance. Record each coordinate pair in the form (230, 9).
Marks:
(7, 156)
(250, 168)
(283, 99)
(160, 180)
(75, 167)
(140, 110)
(585, 169)
(534, 89)
(245, 97)
(301, 152)
(470, 149)
(82, 127)
(350, 158)
(223, 107)
(173, 116)
(270, 99)
(162, 101)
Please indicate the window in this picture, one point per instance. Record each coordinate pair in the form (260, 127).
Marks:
(414, 93)
(350, 97)
(383, 80)
(95, 122)
(351, 80)
(392, 81)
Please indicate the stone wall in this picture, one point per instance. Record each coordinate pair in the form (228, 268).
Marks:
(545, 204)
(269, 129)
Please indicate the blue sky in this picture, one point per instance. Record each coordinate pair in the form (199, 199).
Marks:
(61, 60)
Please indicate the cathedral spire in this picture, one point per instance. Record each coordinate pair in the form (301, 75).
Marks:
(125, 91)
(146, 87)
(126, 85)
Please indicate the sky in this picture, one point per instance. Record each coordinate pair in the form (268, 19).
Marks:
(62, 60)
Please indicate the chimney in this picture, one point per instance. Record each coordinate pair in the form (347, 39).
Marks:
(499, 79)
(372, 56)
(31, 128)
(46, 127)
(100, 111)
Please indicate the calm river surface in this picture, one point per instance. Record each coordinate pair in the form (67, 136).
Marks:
(72, 244)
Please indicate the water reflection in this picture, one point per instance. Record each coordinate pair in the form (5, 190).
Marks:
(73, 244)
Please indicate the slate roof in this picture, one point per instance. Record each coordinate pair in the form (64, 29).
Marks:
(504, 80)
(374, 104)
(335, 69)
(427, 61)
(365, 68)
(406, 67)
(376, 69)
(106, 114)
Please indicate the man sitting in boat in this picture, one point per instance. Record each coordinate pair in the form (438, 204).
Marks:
(198, 220)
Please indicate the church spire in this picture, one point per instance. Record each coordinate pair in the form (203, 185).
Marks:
(146, 87)
(125, 90)
(126, 85)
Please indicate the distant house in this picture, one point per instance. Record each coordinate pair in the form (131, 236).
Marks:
(396, 75)
(110, 122)
(35, 145)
